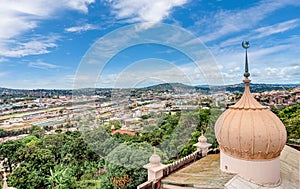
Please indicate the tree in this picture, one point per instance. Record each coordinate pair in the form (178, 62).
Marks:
(124, 166)
(177, 139)
(204, 117)
(114, 123)
(54, 143)
(8, 150)
(210, 132)
(290, 117)
(60, 177)
(34, 168)
(60, 160)
(37, 131)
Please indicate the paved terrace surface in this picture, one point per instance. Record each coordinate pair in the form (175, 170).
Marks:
(204, 173)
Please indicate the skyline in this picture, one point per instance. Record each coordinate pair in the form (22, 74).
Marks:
(43, 43)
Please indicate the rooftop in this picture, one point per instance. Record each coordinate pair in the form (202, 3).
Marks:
(289, 172)
(204, 173)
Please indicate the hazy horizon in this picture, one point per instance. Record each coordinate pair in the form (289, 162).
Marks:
(200, 85)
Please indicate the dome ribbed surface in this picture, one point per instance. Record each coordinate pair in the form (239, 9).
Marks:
(248, 130)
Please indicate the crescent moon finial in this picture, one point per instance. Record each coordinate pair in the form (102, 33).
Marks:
(246, 45)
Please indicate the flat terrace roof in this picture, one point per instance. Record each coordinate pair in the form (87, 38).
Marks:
(204, 173)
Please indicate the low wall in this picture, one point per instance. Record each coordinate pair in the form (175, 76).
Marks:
(149, 185)
(181, 163)
(155, 184)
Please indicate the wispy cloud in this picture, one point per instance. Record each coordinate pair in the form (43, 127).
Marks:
(276, 28)
(226, 22)
(83, 28)
(263, 32)
(32, 46)
(3, 59)
(42, 65)
(144, 11)
(19, 17)
(271, 61)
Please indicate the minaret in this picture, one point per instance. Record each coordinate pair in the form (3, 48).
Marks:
(251, 138)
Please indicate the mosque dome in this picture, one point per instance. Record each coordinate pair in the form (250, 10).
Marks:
(248, 130)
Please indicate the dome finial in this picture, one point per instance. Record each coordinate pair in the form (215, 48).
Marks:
(246, 45)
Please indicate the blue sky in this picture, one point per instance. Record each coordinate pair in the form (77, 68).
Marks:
(43, 43)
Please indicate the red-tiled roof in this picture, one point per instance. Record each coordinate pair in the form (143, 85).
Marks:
(123, 132)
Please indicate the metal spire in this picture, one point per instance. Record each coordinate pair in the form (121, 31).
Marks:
(246, 45)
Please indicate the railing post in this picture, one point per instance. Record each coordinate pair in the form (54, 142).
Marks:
(155, 168)
(202, 145)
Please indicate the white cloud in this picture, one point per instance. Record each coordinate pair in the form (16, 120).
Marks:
(19, 17)
(271, 60)
(276, 28)
(34, 46)
(80, 5)
(262, 32)
(42, 65)
(22, 15)
(144, 11)
(228, 22)
(82, 28)
(289, 73)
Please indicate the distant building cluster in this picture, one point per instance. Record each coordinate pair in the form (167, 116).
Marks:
(132, 110)
(279, 98)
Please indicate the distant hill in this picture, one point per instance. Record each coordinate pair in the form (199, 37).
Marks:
(170, 87)
(33, 92)
(260, 87)
(159, 88)
(232, 88)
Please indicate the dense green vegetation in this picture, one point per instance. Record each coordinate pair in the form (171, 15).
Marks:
(97, 159)
(60, 160)
(290, 117)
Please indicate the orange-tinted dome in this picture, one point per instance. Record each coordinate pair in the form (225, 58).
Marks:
(248, 130)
